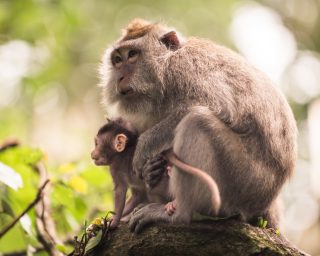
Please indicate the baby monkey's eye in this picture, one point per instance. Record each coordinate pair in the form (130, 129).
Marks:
(132, 53)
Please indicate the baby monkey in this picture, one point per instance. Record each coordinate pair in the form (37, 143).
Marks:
(114, 146)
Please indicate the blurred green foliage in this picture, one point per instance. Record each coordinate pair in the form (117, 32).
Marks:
(57, 94)
(78, 192)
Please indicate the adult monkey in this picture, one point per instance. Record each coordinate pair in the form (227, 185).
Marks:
(218, 113)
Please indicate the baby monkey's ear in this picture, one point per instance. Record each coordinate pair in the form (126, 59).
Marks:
(120, 142)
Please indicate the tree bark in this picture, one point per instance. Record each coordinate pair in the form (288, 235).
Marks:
(227, 237)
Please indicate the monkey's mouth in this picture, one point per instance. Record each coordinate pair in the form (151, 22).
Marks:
(126, 91)
(100, 162)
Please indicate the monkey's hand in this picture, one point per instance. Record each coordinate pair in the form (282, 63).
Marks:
(151, 213)
(153, 170)
(148, 167)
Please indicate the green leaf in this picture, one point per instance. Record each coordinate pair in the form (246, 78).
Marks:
(264, 225)
(94, 241)
(22, 155)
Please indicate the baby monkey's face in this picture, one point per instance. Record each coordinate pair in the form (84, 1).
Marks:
(107, 146)
(102, 151)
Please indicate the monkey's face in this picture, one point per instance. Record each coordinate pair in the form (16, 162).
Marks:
(131, 80)
(107, 147)
(102, 152)
(132, 71)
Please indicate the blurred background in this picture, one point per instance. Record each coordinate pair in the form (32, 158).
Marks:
(49, 99)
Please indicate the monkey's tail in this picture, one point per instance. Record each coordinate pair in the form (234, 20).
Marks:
(215, 194)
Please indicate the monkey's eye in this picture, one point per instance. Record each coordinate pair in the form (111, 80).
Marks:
(116, 60)
(132, 53)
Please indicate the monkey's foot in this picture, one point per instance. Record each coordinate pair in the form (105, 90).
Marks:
(170, 207)
(151, 213)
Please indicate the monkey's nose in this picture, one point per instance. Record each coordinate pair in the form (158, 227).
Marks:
(126, 91)
(93, 156)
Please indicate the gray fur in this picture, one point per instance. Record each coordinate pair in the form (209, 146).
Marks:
(219, 114)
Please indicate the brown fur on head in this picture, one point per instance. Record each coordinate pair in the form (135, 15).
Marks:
(137, 28)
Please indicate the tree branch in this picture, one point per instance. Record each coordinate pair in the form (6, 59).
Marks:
(29, 207)
(224, 237)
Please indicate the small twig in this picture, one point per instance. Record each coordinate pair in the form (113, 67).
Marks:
(30, 206)
(9, 144)
(45, 227)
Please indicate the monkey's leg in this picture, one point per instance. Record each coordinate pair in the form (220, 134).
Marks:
(247, 179)
(247, 184)
(119, 200)
(154, 213)
(137, 198)
(184, 188)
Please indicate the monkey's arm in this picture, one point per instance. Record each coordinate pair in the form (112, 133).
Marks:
(154, 141)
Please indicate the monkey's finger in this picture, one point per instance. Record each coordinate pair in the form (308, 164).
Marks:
(172, 207)
(153, 181)
(142, 223)
(132, 225)
(151, 166)
(154, 174)
(134, 220)
(156, 159)
(140, 206)
(170, 212)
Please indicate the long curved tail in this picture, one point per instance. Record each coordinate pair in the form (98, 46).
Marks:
(212, 185)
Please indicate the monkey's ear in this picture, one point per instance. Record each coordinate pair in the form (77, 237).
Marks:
(120, 142)
(170, 40)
